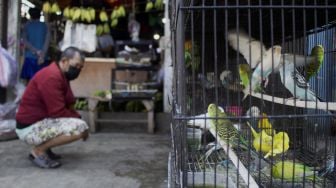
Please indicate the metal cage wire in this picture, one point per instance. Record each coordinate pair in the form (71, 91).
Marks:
(202, 51)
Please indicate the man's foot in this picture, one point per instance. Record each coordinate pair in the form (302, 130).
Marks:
(43, 161)
(53, 155)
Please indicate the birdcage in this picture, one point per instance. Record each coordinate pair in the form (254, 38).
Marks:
(253, 93)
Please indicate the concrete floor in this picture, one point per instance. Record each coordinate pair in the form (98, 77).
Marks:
(125, 160)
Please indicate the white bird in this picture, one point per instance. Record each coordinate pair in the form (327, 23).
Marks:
(264, 61)
(227, 80)
(294, 81)
(269, 63)
(245, 45)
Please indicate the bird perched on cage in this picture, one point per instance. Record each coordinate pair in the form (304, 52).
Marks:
(202, 120)
(245, 75)
(224, 127)
(269, 62)
(261, 141)
(289, 170)
(246, 45)
(314, 66)
(264, 61)
(229, 82)
(280, 144)
(258, 51)
(264, 124)
(295, 82)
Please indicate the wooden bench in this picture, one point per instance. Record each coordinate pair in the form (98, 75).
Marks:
(148, 102)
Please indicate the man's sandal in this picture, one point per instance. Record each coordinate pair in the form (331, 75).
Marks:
(53, 155)
(43, 161)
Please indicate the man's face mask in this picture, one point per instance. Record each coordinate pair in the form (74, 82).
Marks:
(72, 73)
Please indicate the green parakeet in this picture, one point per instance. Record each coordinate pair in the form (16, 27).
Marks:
(225, 129)
(245, 75)
(289, 170)
(314, 67)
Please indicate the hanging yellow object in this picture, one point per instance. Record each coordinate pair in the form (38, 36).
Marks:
(103, 16)
(46, 7)
(114, 23)
(55, 8)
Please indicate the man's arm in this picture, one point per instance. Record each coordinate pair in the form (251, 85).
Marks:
(26, 42)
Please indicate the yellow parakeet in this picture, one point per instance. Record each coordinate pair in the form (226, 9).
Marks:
(280, 144)
(288, 170)
(264, 124)
(262, 141)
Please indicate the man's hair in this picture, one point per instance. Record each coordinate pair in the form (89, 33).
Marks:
(70, 53)
(35, 13)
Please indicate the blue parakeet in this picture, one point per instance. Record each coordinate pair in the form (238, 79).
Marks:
(295, 82)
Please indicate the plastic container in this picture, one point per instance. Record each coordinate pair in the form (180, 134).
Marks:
(196, 180)
(194, 139)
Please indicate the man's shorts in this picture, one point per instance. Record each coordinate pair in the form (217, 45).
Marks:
(47, 129)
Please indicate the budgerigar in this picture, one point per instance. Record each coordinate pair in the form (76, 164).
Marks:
(261, 141)
(269, 63)
(280, 144)
(289, 170)
(229, 82)
(264, 61)
(295, 82)
(265, 124)
(224, 127)
(201, 120)
(245, 74)
(246, 44)
(313, 68)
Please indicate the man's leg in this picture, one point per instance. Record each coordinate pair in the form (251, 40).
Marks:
(58, 141)
(49, 133)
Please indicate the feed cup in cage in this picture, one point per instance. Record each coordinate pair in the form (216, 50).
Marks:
(194, 139)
